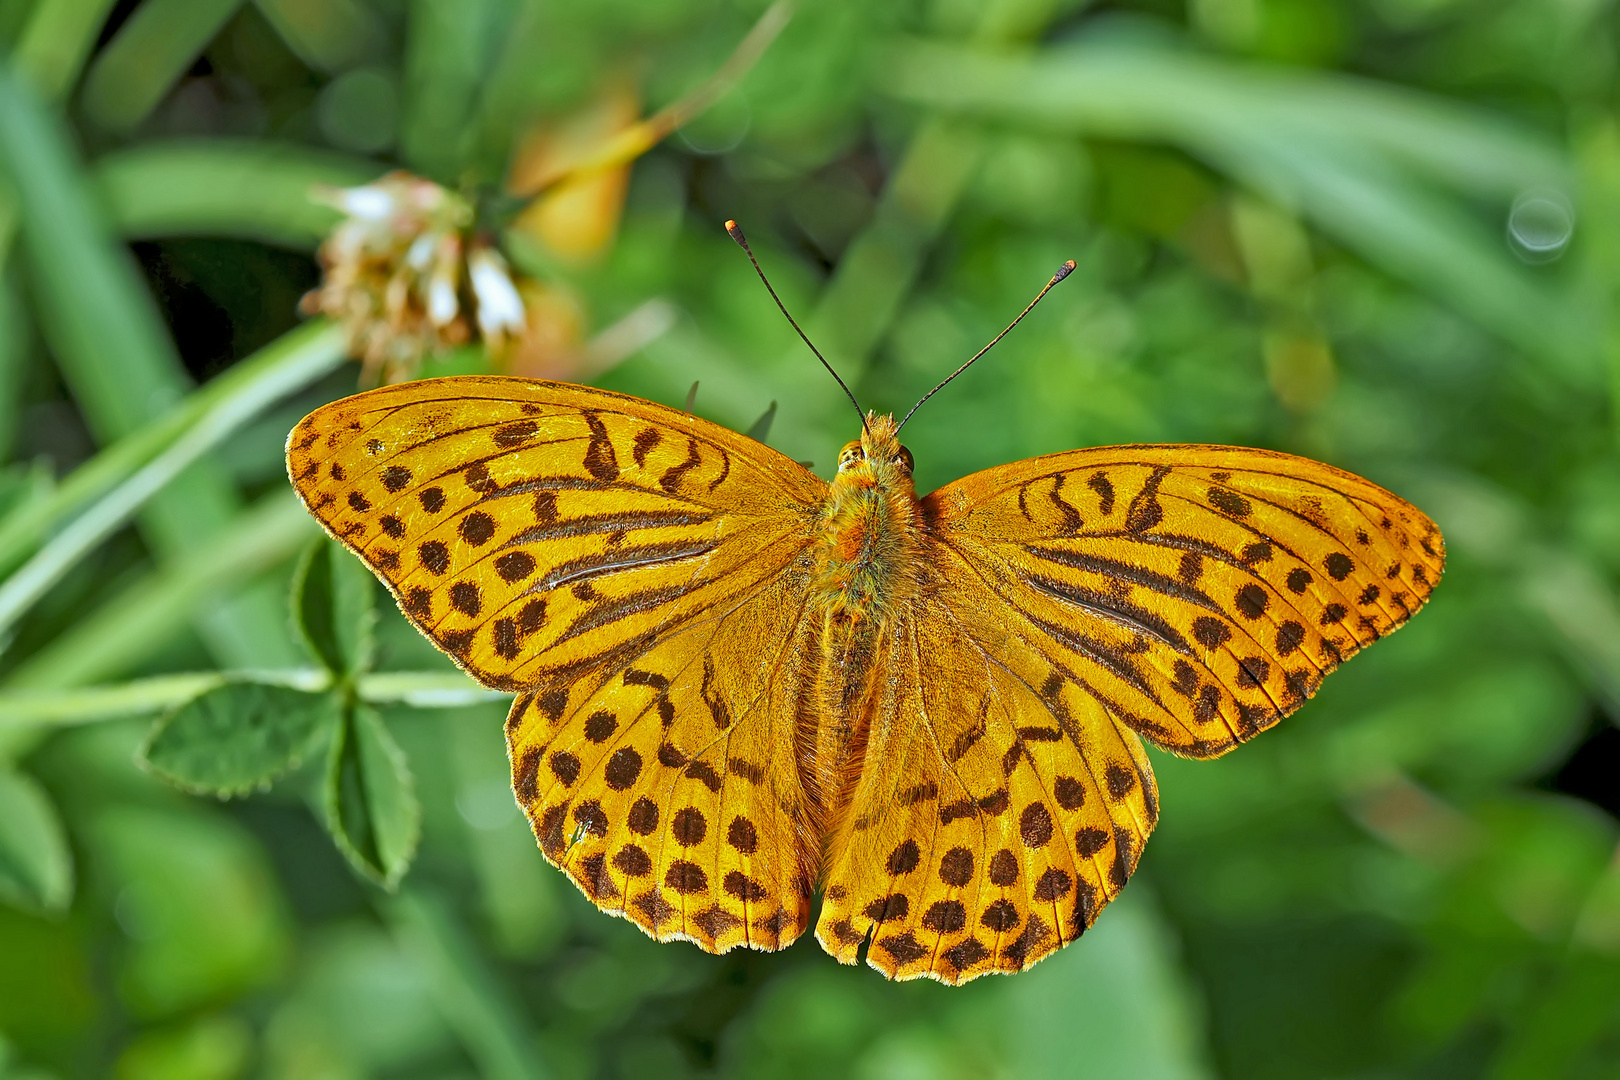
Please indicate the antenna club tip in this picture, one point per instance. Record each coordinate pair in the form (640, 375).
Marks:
(1063, 271)
(735, 231)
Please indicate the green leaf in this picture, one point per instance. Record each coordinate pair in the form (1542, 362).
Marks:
(371, 806)
(238, 737)
(36, 868)
(334, 608)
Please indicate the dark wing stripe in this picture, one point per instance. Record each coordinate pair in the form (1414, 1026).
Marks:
(1131, 616)
(600, 524)
(1084, 684)
(651, 598)
(1136, 575)
(620, 559)
(550, 483)
(604, 612)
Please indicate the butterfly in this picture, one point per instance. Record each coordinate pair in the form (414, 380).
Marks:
(736, 683)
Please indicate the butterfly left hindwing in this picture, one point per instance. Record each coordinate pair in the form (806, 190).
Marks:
(667, 789)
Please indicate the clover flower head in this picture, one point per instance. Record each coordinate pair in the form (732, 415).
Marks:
(394, 268)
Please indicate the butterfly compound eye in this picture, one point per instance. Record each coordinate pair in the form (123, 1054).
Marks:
(905, 459)
(850, 456)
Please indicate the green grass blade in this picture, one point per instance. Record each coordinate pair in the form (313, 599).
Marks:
(278, 368)
(449, 50)
(147, 56)
(56, 42)
(1127, 89)
(14, 15)
(475, 1005)
(105, 331)
(328, 35)
(14, 350)
(1350, 157)
(139, 621)
(225, 187)
(36, 866)
(142, 697)
(252, 386)
(114, 354)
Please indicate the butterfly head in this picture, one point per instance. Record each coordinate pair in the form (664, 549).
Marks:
(876, 459)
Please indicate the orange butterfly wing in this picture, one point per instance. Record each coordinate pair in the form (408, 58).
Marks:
(611, 561)
(1191, 595)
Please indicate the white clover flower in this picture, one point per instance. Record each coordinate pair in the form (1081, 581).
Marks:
(500, 307)
(368, 203)
(393, 270)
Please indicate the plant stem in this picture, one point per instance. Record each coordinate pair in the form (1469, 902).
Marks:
(139, 697)
(472, 1001)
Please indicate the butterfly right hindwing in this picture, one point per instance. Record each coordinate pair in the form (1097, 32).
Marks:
(985, 831)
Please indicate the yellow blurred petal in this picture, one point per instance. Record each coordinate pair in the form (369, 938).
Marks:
(553, 151)
(607, 134)
(577, 218)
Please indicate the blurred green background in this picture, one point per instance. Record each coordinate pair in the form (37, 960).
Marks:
(1383, 233)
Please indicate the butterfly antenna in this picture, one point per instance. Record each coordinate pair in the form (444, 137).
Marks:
(735, 232)
(1063, 271)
